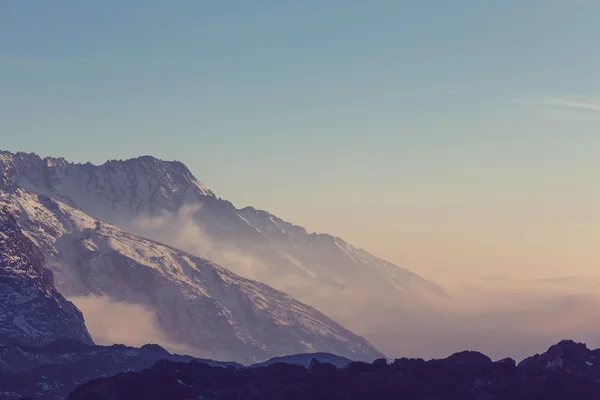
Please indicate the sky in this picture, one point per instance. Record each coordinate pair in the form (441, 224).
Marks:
(456, 139)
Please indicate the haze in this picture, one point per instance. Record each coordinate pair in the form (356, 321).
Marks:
(459, 140)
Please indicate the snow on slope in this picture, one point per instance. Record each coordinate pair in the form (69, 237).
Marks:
(31, 309)
(114, 190)
(210, 310)
(163, 201)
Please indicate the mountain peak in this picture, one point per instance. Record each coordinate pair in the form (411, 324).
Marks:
(21, 165)
(145, 185)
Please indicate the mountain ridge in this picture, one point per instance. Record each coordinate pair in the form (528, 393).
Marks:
(163, 201)
(5, 155)
(197, 303)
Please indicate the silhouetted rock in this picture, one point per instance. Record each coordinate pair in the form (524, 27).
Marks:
(324, 370)
(380, 361)
(155, 350)
(469, 358)
(313, 363)
(575, 358)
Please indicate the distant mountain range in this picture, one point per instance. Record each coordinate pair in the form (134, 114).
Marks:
(164, 202)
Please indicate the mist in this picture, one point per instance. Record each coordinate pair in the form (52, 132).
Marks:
(502, 316)
(499, 316)
(114, 322)
(181, 231)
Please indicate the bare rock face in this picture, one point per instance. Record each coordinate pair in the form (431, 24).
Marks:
(32, 311)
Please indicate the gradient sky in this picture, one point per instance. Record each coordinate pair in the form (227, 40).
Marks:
(453, 138)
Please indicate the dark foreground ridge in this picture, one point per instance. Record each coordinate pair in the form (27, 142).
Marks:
(54, 370)
(566, 371)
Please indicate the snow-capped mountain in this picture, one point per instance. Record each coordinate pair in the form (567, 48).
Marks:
(163, 201)
(31, 309)
(206, 310)
(116, 190)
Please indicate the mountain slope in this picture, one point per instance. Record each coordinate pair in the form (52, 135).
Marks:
(207, 309)
(165, 202)
(31, 309)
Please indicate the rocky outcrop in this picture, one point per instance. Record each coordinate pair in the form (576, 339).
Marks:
(31, 309)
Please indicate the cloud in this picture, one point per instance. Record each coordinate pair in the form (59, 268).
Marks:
(111, 322)
(499, 316)
(175, 229)
(571, 106)
(181, 231)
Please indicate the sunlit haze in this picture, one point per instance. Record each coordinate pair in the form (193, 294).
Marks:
(459, 140)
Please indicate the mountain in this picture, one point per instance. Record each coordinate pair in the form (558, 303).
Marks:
(305, 360)
(465, 375)
(198, 306)
(31, 309)
(567, 355)
(55, 369)
(163, 201)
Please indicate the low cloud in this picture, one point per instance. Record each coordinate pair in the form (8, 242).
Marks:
(499, 316)
(180, 230)
(176, 229)
(111, 322)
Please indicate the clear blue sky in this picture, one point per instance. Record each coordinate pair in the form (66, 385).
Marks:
(402, 126)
